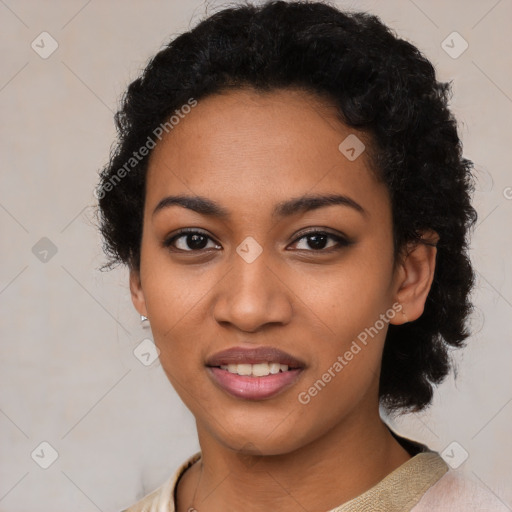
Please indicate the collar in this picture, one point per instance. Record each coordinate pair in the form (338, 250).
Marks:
(399, 491)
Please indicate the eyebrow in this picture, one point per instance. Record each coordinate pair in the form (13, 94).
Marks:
(210, 208)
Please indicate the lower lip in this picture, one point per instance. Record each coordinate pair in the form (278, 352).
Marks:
(254, 388)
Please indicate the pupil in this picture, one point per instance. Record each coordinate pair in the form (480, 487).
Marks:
(316, 244)
(192, 241)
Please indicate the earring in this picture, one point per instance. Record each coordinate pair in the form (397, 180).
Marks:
(405, 316)
(144, 321)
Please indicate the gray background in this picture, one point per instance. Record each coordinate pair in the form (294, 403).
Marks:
(68, 372)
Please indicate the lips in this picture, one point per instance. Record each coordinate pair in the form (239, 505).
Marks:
(244, 373)
(240, 355)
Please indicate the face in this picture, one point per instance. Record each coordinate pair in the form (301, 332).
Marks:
(303, 281)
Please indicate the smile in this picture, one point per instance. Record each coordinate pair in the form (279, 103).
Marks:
(254, 373)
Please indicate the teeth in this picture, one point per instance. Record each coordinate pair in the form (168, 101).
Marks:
(244, 369)
(260, 370)
(255, 370)
(274, 367)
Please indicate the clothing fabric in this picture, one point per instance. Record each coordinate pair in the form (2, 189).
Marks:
(424, 483)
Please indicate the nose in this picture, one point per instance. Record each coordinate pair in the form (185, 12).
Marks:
(252, 295)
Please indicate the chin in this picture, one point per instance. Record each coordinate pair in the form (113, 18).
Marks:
(259, 436)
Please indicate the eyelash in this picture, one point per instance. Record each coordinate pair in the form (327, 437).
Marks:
(342, 241)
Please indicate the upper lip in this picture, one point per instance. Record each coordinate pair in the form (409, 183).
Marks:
(244, 355)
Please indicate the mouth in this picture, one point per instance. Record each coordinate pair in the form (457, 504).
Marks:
(254, 373)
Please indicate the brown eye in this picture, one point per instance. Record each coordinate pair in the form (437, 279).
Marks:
(190, 241)
(317, 241)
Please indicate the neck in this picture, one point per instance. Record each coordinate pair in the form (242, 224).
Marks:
(338, 466)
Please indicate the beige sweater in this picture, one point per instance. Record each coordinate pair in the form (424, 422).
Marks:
(424, 483)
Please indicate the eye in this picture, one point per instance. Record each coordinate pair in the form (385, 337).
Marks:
(319, 239)
(193, 239)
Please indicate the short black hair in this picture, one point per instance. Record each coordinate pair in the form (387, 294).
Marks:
(381, 85)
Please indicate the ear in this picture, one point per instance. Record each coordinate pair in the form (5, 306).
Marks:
(414, 277)
(137, 293)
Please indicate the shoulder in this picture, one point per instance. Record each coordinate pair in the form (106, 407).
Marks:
(149, 501)
(162, 498)
(455, 492)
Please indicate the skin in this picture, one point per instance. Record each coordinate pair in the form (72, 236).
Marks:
(249, 151)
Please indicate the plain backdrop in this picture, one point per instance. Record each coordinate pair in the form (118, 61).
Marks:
(69, 376)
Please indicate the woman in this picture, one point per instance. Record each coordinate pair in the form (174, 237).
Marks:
(290, 196)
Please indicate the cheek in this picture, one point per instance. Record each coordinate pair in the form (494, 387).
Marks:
(345, 364)
(175, 302)
(353, 302)
(351, 296)
(172, 291)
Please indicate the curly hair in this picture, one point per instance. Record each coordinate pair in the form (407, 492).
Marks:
(381, 85)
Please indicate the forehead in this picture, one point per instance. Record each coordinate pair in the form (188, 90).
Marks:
(247, 146)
